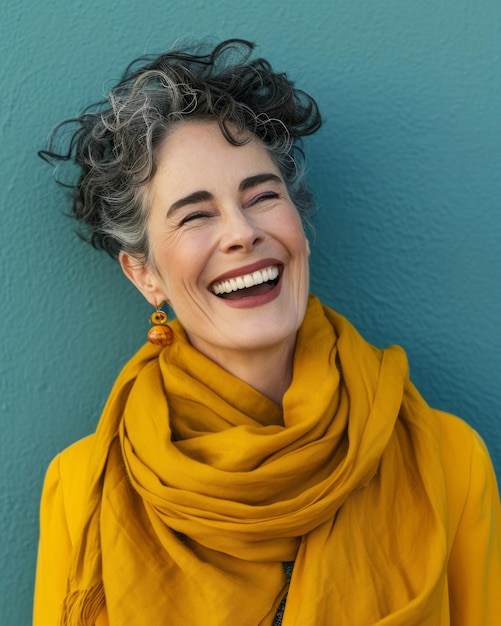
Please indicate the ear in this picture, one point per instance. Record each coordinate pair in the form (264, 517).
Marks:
(143, 278)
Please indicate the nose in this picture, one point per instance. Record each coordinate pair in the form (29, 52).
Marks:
(239, 232)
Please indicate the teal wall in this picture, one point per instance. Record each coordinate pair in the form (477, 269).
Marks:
(407, 173)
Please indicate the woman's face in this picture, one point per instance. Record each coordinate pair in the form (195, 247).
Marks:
(227, 245)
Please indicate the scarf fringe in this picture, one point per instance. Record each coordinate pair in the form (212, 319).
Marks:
(82, 607)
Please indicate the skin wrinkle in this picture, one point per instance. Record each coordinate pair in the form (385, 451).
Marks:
(244, 215)
(115, 141)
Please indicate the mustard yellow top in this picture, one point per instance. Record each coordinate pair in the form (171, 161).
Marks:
(195, 489)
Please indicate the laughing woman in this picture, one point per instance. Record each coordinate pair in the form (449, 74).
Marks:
(257, 462)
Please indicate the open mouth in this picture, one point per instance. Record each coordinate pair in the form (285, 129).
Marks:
(256, 283)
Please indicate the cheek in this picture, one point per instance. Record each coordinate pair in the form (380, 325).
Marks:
(288, 226)
(172, 256)
(182, 275)
(293, 233)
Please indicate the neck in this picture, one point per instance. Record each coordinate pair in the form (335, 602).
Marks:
(268, 371)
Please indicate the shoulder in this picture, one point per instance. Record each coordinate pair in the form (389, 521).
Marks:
(457, 438)
(66, 483)
(76, 452)
(469, 473)
(461, 445)
(61, 517)
(70, 465)
(474, 519)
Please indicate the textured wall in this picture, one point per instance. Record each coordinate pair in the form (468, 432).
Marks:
(406, 172)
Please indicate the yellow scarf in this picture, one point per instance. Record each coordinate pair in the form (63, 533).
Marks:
(201, 488)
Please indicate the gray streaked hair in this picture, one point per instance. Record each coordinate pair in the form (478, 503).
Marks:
(114, 141)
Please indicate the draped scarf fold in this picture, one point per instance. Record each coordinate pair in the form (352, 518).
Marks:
(201, 488)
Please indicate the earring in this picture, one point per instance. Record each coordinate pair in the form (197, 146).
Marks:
(160, 334)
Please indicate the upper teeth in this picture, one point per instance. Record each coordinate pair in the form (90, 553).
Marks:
(247, 280)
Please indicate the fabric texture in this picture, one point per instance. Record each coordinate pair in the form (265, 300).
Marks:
(199, 488)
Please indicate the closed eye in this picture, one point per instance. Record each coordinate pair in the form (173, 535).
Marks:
(193, 216)
(262, 197)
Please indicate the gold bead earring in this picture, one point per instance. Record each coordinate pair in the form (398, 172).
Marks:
(160, 334)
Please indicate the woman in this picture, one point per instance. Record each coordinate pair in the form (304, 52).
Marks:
(259, 462)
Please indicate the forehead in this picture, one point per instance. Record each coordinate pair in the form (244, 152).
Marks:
(196, 152)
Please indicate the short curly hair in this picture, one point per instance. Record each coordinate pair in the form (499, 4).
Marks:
(114, 141)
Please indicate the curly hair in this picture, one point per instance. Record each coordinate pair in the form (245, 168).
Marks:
(114, 141)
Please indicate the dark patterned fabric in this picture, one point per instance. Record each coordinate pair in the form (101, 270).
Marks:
(280, 612)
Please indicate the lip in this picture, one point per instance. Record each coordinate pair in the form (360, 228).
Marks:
(248, 269)
(250, 302)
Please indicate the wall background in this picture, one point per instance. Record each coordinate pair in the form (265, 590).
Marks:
(406, 172)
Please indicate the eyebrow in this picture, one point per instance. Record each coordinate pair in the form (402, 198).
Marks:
(194, 198)
(198, 197)
(253, 181)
